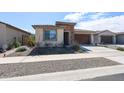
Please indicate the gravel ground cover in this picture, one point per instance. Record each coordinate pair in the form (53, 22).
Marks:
(22, 69)
(46, 51)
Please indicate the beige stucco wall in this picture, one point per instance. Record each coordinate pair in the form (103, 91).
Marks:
(39, 37)
(11, 33)
(96, 39)
(2, 35)
(60, 36)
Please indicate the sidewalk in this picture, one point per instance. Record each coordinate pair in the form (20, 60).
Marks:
(58, 57)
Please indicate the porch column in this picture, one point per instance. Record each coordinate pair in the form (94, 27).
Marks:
(114, 39)
(92, 39)
(99, 39)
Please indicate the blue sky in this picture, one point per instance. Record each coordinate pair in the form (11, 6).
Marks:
(86, 20)
(25, 20)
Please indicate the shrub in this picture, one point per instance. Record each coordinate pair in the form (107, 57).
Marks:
(120, 48)
(21, 49)
(31, 41)
(76, 47)
(15, 44)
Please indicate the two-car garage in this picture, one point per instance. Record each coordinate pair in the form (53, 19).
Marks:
(86, 39)
(83, 38)
(107, 39)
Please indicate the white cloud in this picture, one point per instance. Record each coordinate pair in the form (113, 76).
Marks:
(74, 17)
(115, 24)
(97, 21)
(97, 15)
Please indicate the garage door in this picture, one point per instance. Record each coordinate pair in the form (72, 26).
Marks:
(120, 39)
(106, 39)
(82, 38)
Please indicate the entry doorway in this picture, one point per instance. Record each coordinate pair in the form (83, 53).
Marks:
(66, 38)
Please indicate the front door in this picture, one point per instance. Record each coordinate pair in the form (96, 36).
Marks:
(66, 38)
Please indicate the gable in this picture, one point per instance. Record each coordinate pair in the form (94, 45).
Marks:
(106, 33)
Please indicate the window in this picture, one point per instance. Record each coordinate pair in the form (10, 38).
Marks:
(50, 35)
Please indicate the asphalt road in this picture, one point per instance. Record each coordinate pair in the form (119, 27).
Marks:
(116, 77)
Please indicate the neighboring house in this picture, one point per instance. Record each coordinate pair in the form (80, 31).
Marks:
(64, 33)
(9, 33)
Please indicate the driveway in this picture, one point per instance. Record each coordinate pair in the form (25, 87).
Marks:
(98, 49)
(108, 53)
(116, 45)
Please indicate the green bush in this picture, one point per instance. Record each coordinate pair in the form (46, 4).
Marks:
(21, 49)
(120, 48)
(14, 45)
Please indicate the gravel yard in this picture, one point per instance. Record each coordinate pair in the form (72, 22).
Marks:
(21, 69)
(46, 51)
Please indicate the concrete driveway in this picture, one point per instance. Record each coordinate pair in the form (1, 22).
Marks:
(116, 45)
(98, 49)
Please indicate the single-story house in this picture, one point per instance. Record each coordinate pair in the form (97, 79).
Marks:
(54, 35)
(64, 33)
(9, 33)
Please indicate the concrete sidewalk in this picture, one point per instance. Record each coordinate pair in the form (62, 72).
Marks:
(59, 57)
(72, 75)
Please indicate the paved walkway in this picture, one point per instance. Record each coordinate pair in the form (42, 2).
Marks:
(7, 52)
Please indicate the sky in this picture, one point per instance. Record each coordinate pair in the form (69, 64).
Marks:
(113, 21)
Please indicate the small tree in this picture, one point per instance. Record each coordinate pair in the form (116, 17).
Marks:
(30, 41)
